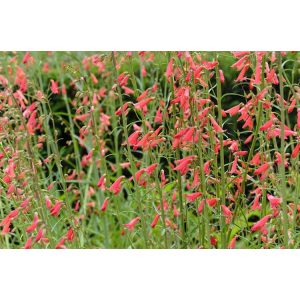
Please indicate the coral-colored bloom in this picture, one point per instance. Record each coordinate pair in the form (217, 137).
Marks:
(183, 164)
(48, 202)
(262, 169)
(211, 201)
(101, 183)
(54, 87)
(155, 220)
(132, 223)
(266, 126)
(55, 210)
(256, 205)
(34, 224)
(222, 78)
(149, 170)
(176, 212)
(26, 58)
(261, 223)
(233, 110)
(295, 151)
(127, 90)
(192, 197)
(104, 204)
(60, 244)
(274, 201)
(169, 71)
(70, 234)
(201, 206)
(28, 243)
(232, 243)
(116, 186)
(226, 211)
(215, 125)
(39, 235)
(206, 167)
(133, 138)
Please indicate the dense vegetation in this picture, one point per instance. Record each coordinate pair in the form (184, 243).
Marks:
(149, 150)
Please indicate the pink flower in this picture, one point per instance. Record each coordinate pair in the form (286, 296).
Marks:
(101, 183)
(222, 79)
(155, 220)
(215, 125)
(70, 234)
(104, 204)
(266, 126)
(201, 206)
(127, 90)
(256, 204)
(261, 223)
(54, 87)
(149, 170)
(233, 110)
(176, 212)
(262, 169)
(209, 65)
(169, 71)
(211, 201)
(39, 235)
(274, 201)
(232, 243)
(183, 164)
(130, 226)
(26, 58)
(55, 210)
(116, 186)
(226, 211)
(192, 197)
(28, 243)
(133, 138)
(34, 224)
(60, 244)
(295, 151)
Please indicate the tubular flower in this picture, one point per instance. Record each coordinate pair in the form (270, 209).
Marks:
(260, 225)
(116, 186)
(130, 226)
